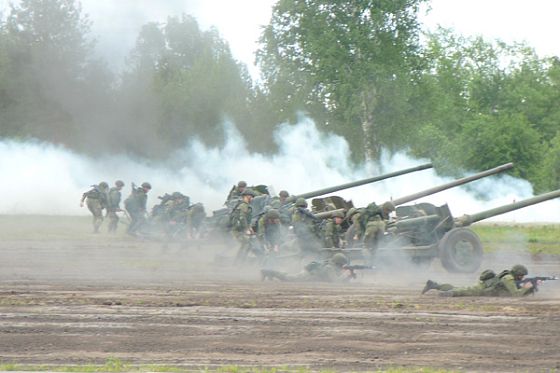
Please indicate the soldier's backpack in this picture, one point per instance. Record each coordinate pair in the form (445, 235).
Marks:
(489, 278)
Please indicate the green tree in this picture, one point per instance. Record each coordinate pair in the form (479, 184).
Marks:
(348, 64)
(190, 80)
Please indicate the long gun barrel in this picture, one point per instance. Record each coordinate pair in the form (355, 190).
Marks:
(466, 220)
(452, 184)
(353, 184)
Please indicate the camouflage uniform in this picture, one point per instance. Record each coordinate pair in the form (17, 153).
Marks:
(503, 285)
(113, 205)
(269, 231)
(332, 231)
(304, 228)
(241, 224)
(372, 224)
(96, 201)
(135, 205)
(331, 270)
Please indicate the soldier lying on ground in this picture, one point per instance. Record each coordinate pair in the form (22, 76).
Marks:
(503, 285)
(331, 270)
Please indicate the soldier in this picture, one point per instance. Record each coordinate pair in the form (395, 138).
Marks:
(96, 200)
(236, 191)
(332, 231)
(269, 231)
(503, 285)
(283, 195)
(135, 205)
(305, 229)
(240, 221)
(113, 205)
(331, 270)
(353, 235)
(372, 224)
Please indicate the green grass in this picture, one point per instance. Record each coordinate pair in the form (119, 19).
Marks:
(116, 365)
(534, 238)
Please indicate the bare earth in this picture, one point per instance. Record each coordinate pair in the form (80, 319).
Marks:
(85, 300)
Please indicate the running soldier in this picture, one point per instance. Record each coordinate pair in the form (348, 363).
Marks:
(113, 205)
(135, 205)
(96, 201)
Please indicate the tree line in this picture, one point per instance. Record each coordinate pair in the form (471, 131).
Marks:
(359, 68)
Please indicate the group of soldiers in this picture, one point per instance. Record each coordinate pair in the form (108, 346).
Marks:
(282, 223)
(100, 197)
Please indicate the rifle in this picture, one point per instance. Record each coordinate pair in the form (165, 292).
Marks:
(356, 267)
(535, 281)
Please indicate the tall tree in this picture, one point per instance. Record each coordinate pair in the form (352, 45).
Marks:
(347, 63)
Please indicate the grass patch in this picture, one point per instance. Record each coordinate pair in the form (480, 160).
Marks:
(534, 238)
(116, 365)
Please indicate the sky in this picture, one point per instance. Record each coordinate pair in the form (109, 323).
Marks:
(116, 23)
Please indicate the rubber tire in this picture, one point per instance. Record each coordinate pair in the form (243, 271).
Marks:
(448, 255)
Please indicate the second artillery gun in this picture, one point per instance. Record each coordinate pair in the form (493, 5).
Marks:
(426, 231)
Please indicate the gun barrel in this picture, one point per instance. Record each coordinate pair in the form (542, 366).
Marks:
(326, 214)
(353, 184)
(413, 222)
(452, 184)
(470, 219)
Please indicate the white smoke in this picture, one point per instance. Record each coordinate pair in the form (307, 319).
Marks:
(40, 178)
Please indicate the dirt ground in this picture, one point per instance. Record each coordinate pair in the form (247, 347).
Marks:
(87, 299)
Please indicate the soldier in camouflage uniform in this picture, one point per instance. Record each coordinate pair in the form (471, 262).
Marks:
(135, 205)
(305, 228)
(96, 201)
(502, 285)
(113, 205)
(269, 231)
(372, 224)
(235, 192)
(331, 270)
(283, 196)
(332, 231)
(240, 220)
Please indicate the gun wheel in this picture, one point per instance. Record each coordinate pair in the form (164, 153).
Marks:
(460, 251)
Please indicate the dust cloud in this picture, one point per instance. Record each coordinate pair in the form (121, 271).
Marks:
(41, 178)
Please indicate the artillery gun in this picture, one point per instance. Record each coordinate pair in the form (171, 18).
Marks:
(426, 232)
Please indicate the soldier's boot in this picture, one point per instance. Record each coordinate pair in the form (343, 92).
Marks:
(429, 286)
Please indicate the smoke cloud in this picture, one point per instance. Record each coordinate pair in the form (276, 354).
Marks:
(41, 178)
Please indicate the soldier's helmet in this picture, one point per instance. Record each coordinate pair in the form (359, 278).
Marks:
(248, 192)
(388, 206)
(338, 214)
(177, 195)
(146, 185)
(339, 259)
(241, 184)
(301, 202)
(119, 183)
(284, 194)
(273, 214)
(519, 270)
(103, 185)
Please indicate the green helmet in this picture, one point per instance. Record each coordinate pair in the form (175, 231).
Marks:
(339, 259)
(338, 214)
(519, 270)
(301, 202)
(272, 214)
(284, 194)
(177, 195)
(275, 204)
(103, 185)
(119, 183)
(248, 192)
(146, 185)
(242, 184)
(389, 206)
